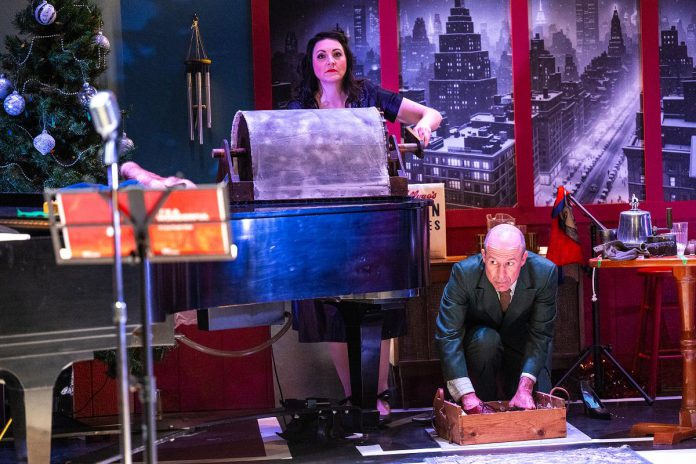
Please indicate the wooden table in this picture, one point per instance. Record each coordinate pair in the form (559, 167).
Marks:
(683, 270)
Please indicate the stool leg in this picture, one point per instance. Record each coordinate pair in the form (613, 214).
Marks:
(655, 351)
(642, 323)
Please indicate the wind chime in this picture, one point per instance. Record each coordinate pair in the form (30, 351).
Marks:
(198, 64)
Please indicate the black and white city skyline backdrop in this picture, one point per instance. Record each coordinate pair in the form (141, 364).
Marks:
(455, 56)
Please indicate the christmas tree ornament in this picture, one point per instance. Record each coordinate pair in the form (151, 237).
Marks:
(14, 104)
(101, 41)
(44, 142)
(86, 93)
(125, 145)
(45, 13)
(5, 86)
(198, 65)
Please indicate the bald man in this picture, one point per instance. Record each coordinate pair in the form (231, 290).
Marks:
(496, 323)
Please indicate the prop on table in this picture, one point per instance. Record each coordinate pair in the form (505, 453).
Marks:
(635, 225)
(636, 236)
(198, 65)
(548, 420)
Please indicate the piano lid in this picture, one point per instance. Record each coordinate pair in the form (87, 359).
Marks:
(307, 250)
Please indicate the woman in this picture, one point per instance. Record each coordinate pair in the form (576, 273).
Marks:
(328, 82)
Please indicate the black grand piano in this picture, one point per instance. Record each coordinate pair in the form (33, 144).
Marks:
(370, 249)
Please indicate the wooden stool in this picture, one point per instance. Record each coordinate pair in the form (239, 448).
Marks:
(652, 301)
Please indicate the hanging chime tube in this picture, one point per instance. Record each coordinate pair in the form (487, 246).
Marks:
(199, 106)
(190, 105)
(197, 101)
(207, 97)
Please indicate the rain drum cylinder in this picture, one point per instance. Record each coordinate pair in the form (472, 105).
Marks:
(306, 154)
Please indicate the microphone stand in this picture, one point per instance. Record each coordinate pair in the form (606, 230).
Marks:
(140, 218)
(597, 349)
(120, 311)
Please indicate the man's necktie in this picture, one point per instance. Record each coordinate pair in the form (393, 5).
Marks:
(505, 298)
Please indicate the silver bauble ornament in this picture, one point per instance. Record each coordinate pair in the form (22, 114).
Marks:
(101, 40)
(85, 95)
(14, 104)
(45, 13)
(125, 145)
(5, 86)
(44, 142)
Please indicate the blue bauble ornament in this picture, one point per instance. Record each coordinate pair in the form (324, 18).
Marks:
(14, 104)
(85, 95)
(45, 13)
(125, 145)
(5, 86)
(44, 142)
(101, 41)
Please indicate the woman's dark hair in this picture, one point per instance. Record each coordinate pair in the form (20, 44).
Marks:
(309, 85)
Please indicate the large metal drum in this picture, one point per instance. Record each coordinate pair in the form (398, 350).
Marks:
(298, 154)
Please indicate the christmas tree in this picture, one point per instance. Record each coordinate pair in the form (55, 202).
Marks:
(51, 69)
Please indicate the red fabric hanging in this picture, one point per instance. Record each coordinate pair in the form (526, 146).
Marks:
(564, 245)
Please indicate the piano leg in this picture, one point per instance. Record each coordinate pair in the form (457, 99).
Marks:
(30, 394)
(15, 399)
(364, 336)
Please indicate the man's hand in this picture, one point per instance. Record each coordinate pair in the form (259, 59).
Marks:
(472, 404)
(523, 397)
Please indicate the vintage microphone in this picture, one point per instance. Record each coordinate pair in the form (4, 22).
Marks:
(106, 117)
(105, 113)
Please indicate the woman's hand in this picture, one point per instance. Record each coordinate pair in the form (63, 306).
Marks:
(425, 119)
(422, 129)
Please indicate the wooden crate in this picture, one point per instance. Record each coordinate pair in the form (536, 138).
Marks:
(547, 421)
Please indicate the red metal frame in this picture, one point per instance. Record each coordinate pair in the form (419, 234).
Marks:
(389, 51)
(522, 86)
(261, 44)
(650, 76)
